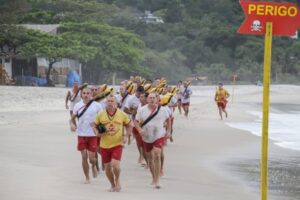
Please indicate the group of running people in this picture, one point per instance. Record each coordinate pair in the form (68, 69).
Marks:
(105, 120)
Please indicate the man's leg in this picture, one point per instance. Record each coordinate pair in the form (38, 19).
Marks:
(162, 158)
(144, 157)
(110, 176)
(226, 114)
(179, 107)
(85, 166)
(138, 145)
(93, 160)
(156, 165)
(171, 136)
(115, 165)
(187, 110)
(150, 158)
(220, 112)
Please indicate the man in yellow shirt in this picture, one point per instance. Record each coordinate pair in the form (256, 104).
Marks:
(113, 120)
(221, 100)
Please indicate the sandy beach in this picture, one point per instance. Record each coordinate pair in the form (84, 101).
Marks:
(208, 160)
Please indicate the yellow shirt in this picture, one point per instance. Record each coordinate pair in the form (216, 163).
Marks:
(114, 128)
(221, 94)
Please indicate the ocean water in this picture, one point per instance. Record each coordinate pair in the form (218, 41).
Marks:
(284, 128)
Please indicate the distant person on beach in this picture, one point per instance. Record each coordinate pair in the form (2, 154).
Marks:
(73, 96)
(186, 93)
(112, 121)
(149, 122)
(85, 111)
(179, 96)
(221, 100)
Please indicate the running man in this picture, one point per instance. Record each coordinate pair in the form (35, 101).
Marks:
(114, 120)
(130, 108)
(221, 99)
(152, 118)
(179, 96)
(85, 111)
(73, 96)
(186, 93)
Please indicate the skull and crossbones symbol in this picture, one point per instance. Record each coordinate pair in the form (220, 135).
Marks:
(256, 26)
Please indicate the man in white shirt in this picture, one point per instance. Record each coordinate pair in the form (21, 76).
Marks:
(122, 97)
(130, 108)
(186, 93)
(153, 133)
(73, 96)
(85, 111)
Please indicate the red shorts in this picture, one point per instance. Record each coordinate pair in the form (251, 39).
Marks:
(186, 104)
(222, 104)
(159, 143)
(138, 137)
(89, 143)
(111, 153)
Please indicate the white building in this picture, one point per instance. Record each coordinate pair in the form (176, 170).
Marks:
(148, 17)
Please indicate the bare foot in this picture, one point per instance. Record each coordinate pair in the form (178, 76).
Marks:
(87, 181)
(117, 188)
(161, 174)
(140, 160)
(143, 164)
(157, 187)
(111, 189)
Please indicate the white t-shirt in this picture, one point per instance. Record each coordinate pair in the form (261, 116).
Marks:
(76, 100)
(132, 102)
(103, 103)
(179, 96)
(84, 123)
(154, 129)
(171, 104)
(122, 103)
(186, 94)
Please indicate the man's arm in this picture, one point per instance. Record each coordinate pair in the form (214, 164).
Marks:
(138, 127)
(73, 125)
(169, 126)
(127, 111)
(227, 95)
(94, 126)
(67, 99)
(128, 131)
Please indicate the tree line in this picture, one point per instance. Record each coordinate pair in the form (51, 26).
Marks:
(197, 38)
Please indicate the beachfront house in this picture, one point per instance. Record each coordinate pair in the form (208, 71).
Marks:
(33, 71)
(148, 17)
